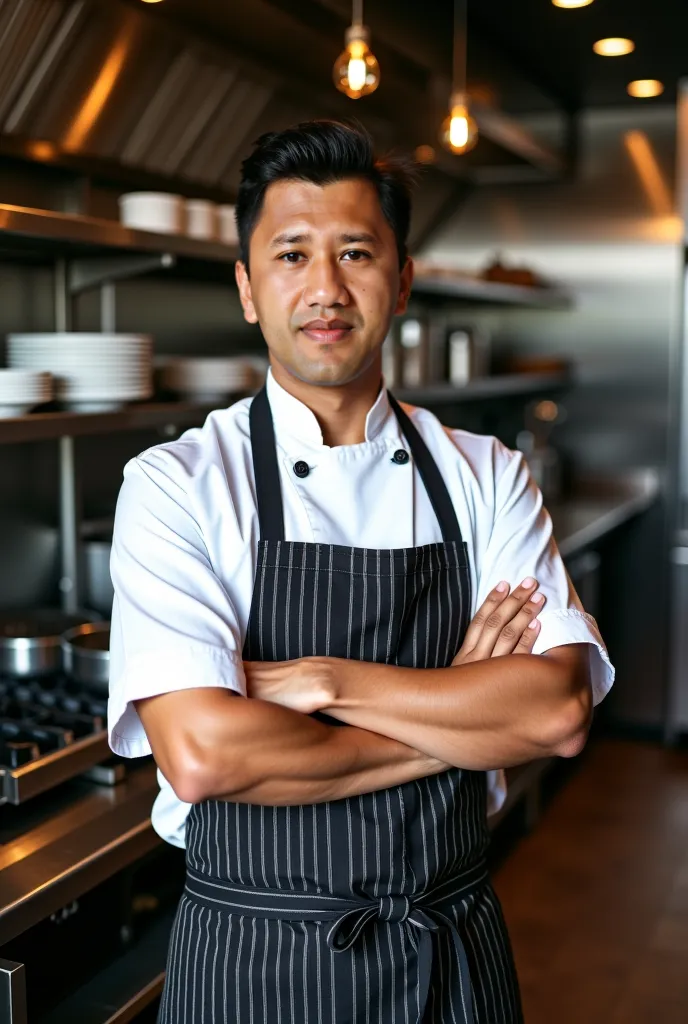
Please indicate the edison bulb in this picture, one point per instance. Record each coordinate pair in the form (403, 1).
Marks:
(645, 88)
(356, 71)
(615, 46)
(459, 130)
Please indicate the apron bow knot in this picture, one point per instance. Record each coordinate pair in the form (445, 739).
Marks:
(394, 908)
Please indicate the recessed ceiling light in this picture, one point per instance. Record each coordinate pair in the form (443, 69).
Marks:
(644, 88)
(571, 3)
(614, 47)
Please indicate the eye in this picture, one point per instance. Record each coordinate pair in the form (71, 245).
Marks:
(355, 255)
(291, 257)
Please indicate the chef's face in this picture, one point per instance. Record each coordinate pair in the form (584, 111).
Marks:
(325, 279)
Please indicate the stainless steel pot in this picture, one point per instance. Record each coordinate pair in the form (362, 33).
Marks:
(86, 655)
(98, 589)
(30, 640)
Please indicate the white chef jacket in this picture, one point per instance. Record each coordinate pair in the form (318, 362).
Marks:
(186, 534)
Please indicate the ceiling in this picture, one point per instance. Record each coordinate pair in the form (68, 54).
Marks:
(520, 39)
(556, 44)
(173, 94)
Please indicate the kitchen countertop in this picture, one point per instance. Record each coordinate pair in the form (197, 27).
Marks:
(65, 842)
(599, 507)
(60, 845)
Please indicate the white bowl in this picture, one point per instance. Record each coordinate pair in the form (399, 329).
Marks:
(152, 211)
(227, 224)
(201, 218)
(25, 386)
(8, 410)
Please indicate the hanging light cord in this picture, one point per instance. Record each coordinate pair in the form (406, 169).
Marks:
(460, 32)
(357, 12)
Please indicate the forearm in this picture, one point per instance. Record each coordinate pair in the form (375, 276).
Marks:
(481, 715)
(313, 765)
(250, 751)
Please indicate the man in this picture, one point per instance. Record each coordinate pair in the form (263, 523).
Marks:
(321, 550)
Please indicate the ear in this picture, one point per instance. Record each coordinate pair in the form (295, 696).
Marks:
(244, 286)
(405, 283)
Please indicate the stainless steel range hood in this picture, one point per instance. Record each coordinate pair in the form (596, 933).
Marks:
(112, 82)
(108, 82)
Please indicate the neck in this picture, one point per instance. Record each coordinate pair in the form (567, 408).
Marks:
(341, 411)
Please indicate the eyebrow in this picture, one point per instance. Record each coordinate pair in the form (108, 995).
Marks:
(346, 239)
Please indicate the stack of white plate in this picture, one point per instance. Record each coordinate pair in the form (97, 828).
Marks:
(93, 372)
(208, 379)
(22, 390)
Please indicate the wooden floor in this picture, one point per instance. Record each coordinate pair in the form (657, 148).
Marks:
(596, 898)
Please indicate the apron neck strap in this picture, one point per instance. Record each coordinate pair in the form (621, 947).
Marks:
(269, 491)
(266, 469)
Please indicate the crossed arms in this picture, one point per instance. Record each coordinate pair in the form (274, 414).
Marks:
(496, 705)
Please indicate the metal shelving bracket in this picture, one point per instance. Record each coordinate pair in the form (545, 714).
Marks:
(93, 271)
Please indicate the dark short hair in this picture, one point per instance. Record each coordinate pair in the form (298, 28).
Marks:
(323, 152)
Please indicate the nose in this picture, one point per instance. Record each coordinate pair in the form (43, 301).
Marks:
(324, 284)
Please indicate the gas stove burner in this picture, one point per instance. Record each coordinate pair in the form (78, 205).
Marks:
(50, 728)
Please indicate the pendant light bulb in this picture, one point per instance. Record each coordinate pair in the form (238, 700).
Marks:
(356, 71)
(459, 131)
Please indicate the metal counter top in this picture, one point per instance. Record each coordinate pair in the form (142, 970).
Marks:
(67, 841)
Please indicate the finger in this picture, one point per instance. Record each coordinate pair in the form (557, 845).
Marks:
(528, 637)
(502, 615)
(511, 634)
(493, 600)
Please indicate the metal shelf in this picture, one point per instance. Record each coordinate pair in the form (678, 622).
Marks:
(46, 426)
(43, 231)
(482, 388)
(170, 416)
(46, 233)
(494, 293)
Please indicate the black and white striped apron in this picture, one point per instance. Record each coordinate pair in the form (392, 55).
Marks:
(375, 909)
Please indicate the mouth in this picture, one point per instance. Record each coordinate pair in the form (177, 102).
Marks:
(327, 332)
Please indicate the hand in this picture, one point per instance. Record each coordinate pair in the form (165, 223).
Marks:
(505, 624)
(303, 684)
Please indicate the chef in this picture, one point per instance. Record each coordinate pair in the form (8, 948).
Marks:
(334, 621)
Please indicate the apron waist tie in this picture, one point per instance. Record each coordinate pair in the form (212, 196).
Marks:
(427, 912)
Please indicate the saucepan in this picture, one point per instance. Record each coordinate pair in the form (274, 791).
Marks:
(86, 655)
(30, 640)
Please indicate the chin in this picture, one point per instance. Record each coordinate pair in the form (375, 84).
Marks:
(326, 374)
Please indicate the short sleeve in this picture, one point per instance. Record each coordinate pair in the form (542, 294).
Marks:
(521, 544)
(173, 624)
